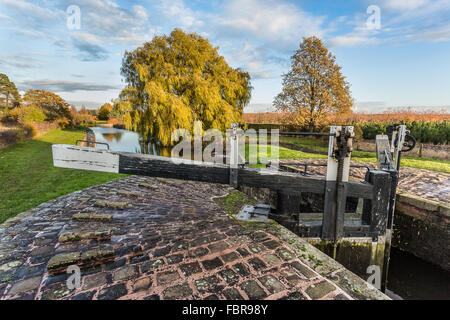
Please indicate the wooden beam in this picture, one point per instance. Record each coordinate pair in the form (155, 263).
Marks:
(375, 211)
(359, 189)
(384, 156)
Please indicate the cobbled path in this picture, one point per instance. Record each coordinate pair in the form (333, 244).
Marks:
(147, 238)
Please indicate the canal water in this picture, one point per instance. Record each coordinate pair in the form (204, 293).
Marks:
(409, 277)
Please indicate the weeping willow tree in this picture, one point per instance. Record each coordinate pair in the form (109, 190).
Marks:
(173, 81)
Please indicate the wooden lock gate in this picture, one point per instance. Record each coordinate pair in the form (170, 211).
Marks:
(376, 193)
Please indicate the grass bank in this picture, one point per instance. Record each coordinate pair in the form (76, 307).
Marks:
(28, 177)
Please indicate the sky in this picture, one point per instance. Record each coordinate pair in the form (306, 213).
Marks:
(394, 53)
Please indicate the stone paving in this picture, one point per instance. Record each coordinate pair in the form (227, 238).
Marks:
(149, 238)
(424, 183)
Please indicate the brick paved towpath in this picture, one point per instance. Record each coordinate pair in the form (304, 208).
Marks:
(424, 183)
(147, 238)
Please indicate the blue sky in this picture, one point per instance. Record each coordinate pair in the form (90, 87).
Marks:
(402, 62)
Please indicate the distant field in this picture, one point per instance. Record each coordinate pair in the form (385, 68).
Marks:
(28, 177)
(427, 127)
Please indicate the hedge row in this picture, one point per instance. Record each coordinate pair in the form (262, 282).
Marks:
(423, 131)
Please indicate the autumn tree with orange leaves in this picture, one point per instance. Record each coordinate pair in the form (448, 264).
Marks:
(53, 106)
(314, 88)
(176, 80)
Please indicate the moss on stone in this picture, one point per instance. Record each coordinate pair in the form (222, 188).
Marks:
(57, 293)
(111, 204)
(129, 194)
(148, 186)
(77, 235)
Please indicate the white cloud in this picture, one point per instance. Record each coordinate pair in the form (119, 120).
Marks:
(369, 106)
(104, 19)
(31, 33)
(4, 16)
(269, 74)
(270, 20)
(401, 5)
(31, 10)
(259, 107)
(21, 60)
(359, 35)
(19, 65)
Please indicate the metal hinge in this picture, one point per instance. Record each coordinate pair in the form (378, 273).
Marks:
(259, 212)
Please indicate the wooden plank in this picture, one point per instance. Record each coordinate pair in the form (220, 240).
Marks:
(359, 189)
(340, 210)
(309, 231)
(375, 211)
(84, 158)
(163, 167)
(329, 212)
(394, 181)
(384, 156)
(355, 189)
(288, 203)
(77, 157)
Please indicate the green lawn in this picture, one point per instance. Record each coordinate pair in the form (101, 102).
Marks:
(283, 153)
(28, 177)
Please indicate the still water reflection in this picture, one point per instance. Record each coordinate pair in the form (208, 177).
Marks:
(128, 141)
(412, 278)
